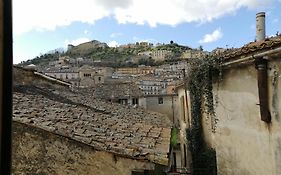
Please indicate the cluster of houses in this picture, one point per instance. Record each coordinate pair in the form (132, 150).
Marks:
(247, 134)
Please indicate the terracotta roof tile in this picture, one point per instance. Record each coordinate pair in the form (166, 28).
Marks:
(251, 47)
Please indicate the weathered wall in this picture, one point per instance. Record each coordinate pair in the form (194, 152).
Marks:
(87, 82)
(245, 144)
(26, 77)
(169, 106)
(36, 151)
(183, 119)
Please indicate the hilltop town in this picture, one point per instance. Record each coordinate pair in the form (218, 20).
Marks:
(84, 66)
(142, 109)
(129, 55)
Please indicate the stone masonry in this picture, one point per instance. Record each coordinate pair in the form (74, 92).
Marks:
(113, 128)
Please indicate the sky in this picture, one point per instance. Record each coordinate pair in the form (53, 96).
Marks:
(40, 26)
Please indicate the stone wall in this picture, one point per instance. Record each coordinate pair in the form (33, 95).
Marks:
(183, 122)
(23, 76)
(244, 144)
(80, 134)
(36, 151)
(169, 106)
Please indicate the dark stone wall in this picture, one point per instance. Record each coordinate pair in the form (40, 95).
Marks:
(36, 151)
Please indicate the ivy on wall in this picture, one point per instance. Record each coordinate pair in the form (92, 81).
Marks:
(199, 83)
(174, 137)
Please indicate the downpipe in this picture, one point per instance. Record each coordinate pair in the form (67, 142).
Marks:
(261, 66)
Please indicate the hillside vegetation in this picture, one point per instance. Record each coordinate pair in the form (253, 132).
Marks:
(104, 55)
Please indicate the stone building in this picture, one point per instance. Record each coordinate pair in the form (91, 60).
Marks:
(85, 76)
(177, 107)
(173, 70)
(68, 74)
(164, 104)
(91, 76)
(141, 70)
(157, 55)
(145, 53)
(120, 92)
(59, 131)
(247, 134)
(247, 140)
(194, 53)
(149, 85)
(87, 47)
(160, 55)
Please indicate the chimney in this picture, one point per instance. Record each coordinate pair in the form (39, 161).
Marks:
(260, 26)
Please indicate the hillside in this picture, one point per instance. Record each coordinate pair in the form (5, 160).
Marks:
(102, 54)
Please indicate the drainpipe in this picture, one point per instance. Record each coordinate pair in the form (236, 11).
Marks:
(261, 66)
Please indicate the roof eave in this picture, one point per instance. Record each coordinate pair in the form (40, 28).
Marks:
(250, 57)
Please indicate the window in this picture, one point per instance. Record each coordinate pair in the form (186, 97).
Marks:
(184, 156)
(87, 75)
(183, 108)
(99, 78)
(160, 100)
(135, 101)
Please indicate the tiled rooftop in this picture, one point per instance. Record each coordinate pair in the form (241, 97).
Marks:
(251, 47)
(117, 90)
(115, 128)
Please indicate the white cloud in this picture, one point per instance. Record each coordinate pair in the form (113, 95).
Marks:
(76, 41)
(49, 14)
(114, 35)
(86, 32)
(208, 38)
(111, 4)
(113, 44)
